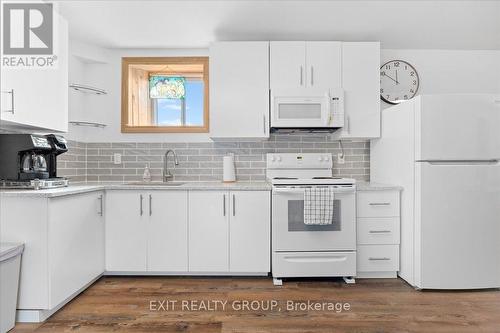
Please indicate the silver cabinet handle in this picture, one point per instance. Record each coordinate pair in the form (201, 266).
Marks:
(234, 205)
(312, 76)
(301, 76)
(150, 205)
(348, 125)
(379, 259)
(264, 123)
(379, 231)
(11, 92)
(379, 203)
(140, 210)
(101, 211)
(224, 204)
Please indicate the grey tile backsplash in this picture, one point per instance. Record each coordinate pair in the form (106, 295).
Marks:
(202, 161)
(73, 163)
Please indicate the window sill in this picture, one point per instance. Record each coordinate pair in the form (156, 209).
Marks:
(165, 129)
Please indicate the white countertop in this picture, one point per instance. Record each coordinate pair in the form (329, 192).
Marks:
(199, 186)
(369, 186)
(91, 187)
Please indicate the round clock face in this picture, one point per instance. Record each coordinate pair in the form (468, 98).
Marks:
(398, 81)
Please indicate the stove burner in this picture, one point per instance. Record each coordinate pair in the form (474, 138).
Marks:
(285, 178)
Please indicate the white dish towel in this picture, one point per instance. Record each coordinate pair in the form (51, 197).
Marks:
(318, 205)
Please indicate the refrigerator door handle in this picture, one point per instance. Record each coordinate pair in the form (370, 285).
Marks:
(461, 162)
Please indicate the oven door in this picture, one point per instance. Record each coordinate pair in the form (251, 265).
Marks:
(291, 234)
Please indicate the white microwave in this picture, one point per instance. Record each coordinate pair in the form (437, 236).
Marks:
(307, 109)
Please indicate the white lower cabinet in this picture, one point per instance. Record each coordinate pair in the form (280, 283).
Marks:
(167, 236)
(378, 233)
(229, 231)
(64, 247)
(249, 231)
(76, 246)
(208, 231)
(175, 231)
(146, 231)
(126, 242)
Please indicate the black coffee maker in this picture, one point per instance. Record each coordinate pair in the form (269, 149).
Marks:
(26, 157)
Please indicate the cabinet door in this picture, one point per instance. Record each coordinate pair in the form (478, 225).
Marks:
(126, 231)
(287, 61)
(250, 228)
(75, 242)
(324, 65)
(208, 231)
(167, 231)
(361, 83)
(239, 90)
(38, 97)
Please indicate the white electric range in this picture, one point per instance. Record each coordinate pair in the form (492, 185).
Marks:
(301, 250)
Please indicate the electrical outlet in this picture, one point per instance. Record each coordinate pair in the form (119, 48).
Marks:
(340, 158)
(117, 158)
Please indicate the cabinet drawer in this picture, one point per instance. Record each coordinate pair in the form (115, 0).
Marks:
(378, 258)
(378, 204)
(378, 230)
(314, 264)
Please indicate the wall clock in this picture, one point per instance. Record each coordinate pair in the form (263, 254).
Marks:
(399, 81)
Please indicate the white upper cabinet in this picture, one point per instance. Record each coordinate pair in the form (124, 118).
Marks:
(37, 99)
(288, 62)
(361, 84)
(239, 90)
(296, 65)
(324, 65)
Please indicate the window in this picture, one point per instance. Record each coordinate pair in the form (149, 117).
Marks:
(161, 95)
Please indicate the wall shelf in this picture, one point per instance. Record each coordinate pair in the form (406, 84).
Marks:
(87, 124)
(87, 89)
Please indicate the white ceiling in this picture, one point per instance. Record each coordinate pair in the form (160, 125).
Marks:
(194, 24)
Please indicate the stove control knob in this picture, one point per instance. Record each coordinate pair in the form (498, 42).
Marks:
(327, 158)
(273, 159)
(279, 158)
(320, 158)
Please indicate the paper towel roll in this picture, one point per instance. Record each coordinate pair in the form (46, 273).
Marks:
(229, 174)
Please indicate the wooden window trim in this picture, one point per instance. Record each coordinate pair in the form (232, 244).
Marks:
(127, 61)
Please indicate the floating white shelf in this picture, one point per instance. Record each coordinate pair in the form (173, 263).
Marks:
(87, 89)
(87, 123)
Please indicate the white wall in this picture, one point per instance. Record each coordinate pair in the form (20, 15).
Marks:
(107, 109)
(441, 71)
(451, 71)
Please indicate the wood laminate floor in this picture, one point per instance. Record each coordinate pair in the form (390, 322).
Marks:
(122, 304)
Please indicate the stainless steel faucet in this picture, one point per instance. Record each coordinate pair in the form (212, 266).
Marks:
(167, 174)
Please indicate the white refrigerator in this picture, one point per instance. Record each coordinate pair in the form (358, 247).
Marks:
(445, 150)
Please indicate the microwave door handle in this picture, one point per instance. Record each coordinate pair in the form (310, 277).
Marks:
(328, 110)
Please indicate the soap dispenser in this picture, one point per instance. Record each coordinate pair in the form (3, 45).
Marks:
(146, 176)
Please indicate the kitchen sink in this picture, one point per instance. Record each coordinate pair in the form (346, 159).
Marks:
(155, 183)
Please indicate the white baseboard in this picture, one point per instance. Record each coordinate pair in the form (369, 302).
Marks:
(183, 274)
